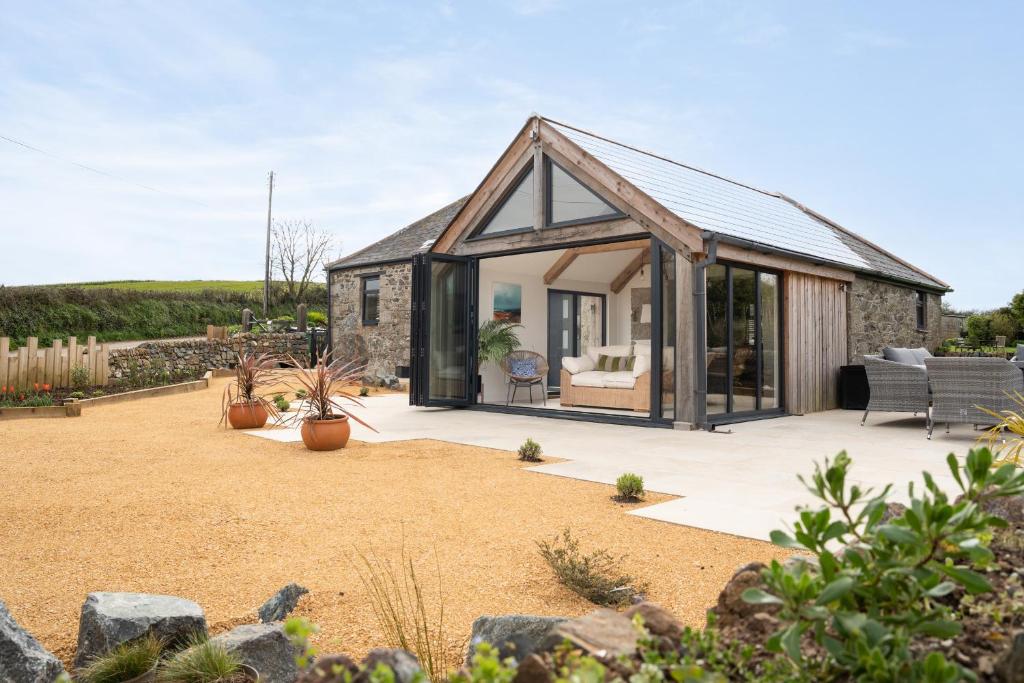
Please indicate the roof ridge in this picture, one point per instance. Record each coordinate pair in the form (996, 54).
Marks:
(665, 159)
(828, 221)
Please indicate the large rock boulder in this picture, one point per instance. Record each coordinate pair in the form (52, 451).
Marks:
(109, 619)
(657, 620)
(22, 658)
(515, 635)
(403, 664)
(282, 603)
(604, 634)
(264, 647)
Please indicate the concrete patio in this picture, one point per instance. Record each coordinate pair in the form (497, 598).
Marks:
(739, 480)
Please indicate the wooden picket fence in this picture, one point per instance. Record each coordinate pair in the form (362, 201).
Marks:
(31, 365)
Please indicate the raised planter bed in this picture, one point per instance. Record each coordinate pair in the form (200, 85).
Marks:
(166, 390)
(73, 407)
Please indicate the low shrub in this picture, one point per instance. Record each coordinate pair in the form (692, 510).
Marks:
(301, 394)
(79, 377)
(77, 394)
(595, 576)
(630, 487)
(203, 661)
(124, 662)
(530, 451)
(316, 318)
(281, 403)
(364, 391)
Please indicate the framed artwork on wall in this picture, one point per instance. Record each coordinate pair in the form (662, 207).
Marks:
(508, 302)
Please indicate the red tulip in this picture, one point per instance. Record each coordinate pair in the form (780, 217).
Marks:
(46, 387)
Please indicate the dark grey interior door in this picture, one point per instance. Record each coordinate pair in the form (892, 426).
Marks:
(561, 333)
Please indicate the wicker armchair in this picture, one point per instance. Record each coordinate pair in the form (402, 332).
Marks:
(959, 385)
(535, 378)
(896, 387)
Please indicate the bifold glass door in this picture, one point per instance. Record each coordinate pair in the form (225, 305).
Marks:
(443, 332)
(743, 336)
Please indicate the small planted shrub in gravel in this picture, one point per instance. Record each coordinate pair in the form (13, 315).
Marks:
(364, 391)
(123, 663)
(595, 576)
(530, 451)
(203, 661)
(630, 487)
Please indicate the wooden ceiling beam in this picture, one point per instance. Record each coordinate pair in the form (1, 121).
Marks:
(560, 264)
(613, 246)
(634, 266)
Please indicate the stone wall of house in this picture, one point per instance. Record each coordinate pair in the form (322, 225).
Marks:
(384, 347)
(883, 314)
(199, 355)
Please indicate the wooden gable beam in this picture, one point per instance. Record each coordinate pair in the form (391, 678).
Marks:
(621, 193)
(634, 266)
(487, 193)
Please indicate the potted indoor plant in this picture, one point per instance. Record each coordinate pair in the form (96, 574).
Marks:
(495, 340)
(243, 405)
(325, 423)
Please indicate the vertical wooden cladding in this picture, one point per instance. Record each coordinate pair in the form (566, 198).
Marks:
(815, 341)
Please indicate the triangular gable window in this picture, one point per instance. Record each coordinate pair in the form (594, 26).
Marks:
(573, 202)
(516, 213)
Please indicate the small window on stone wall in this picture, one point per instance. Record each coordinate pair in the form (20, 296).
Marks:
(922, 310)
(371, 299)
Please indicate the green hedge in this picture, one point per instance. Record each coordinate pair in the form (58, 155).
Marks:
(121, 314)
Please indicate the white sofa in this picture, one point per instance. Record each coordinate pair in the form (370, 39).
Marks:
(582, 384)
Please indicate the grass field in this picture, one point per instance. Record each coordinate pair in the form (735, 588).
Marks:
(245, 286)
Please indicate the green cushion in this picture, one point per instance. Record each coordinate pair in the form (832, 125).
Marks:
(615, 363)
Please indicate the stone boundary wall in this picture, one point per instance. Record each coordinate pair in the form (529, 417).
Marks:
(199, 355)
(883, 314)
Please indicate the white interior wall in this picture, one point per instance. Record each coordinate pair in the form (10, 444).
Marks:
(619, 304)
(590, 272)
(534, 331)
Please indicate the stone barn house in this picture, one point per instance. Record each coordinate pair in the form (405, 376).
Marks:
(645, 290)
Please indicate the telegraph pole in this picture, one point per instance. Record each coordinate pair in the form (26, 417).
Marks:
(266, 271)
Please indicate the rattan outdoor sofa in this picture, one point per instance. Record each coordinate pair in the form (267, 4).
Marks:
(961, 385)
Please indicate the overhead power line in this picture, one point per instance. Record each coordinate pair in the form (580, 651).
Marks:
(101, 172)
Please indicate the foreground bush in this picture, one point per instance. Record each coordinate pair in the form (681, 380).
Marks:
(595, 576)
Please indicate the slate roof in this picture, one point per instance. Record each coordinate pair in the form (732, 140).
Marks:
(735, 210)
(410, 240)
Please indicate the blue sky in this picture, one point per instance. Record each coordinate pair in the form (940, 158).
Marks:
(901, 121)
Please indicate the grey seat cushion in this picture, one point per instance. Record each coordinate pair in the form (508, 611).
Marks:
(899, 355)
(1020, 351)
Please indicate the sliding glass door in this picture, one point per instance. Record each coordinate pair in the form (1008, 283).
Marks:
(743, 353)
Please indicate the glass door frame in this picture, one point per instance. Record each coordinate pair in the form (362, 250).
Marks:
(743, 415)
(419, 332)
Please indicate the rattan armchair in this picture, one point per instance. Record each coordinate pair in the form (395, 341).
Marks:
(896, 387)
(960, 385)
(515, 381)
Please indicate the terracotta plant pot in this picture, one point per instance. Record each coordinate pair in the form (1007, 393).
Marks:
(326, 435)
(247, 415)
